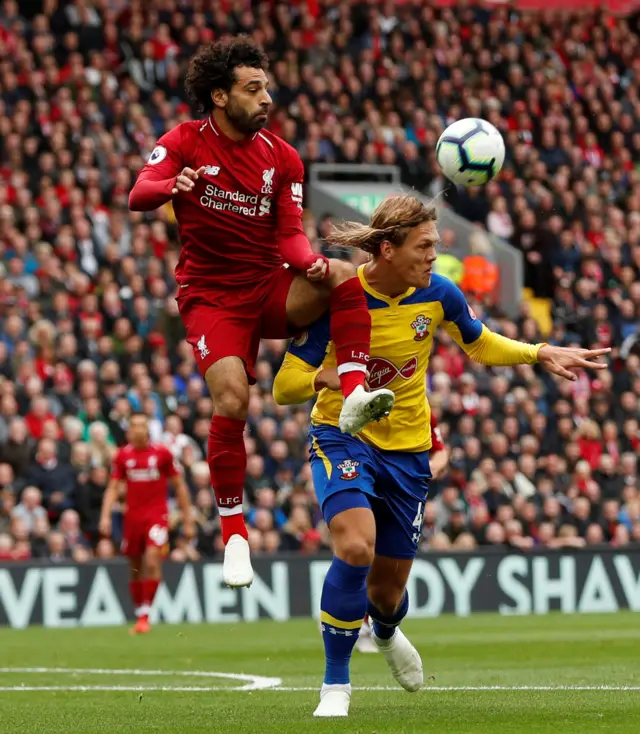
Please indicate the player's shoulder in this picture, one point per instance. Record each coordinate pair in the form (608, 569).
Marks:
(183, 132)
(159, 449)
(284, 150)
(444, 288)
(440, 290)
(122, 452)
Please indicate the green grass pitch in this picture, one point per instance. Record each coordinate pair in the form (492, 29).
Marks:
(484, 673)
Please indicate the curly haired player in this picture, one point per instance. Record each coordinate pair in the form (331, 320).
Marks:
(237, 195)
(373, 488)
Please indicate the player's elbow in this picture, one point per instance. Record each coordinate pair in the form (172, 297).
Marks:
(281, 392)
(285, 389)
(136, 201)
(479, 357)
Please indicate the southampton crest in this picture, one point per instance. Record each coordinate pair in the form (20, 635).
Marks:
(349, 469)
(421, 327)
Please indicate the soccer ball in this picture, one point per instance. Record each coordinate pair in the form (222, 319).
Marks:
(470, 152)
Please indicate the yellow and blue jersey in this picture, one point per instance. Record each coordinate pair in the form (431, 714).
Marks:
(401, 342)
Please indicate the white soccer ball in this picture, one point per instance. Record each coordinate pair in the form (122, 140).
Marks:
(470, 152)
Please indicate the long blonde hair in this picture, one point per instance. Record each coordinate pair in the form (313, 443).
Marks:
(392, 221)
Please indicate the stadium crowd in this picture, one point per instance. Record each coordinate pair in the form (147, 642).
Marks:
(89, 329)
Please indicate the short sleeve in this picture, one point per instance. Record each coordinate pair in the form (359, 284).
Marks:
(458, 312)
(117, 467)
(167, 158)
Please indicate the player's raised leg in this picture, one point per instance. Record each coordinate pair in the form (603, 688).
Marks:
(229, 388)
(350, 321)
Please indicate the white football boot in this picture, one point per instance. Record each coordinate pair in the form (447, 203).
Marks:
(334, 700)
(403, 659)
(365, 643)
(236, 569)
(362, 407)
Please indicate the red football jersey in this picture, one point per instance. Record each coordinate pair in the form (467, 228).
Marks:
(146, 472)
(249, 197)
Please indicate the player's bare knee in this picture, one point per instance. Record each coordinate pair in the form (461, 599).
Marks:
(229, 387)
(340, 271)
(356, 550)
(232, 404)
(230, 396)
(153, 563)
(385, 597)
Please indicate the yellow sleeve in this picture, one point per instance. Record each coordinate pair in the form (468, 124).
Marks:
(493, 349)
(295, 381)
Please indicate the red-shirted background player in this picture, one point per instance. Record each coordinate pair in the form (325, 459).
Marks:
(237, 196)
(145, 469)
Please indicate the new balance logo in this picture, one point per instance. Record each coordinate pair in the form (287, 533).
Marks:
(297, 194)
(212, 170)
(202, 346)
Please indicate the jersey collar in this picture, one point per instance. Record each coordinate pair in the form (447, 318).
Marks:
(380, 296)
(225, 141)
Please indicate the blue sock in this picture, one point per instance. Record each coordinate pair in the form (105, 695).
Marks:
(343, 605)
(384, 627)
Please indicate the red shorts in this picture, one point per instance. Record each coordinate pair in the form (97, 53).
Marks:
(139, 533)
(231, 322)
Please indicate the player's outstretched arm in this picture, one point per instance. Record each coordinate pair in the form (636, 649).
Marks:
(495, 350)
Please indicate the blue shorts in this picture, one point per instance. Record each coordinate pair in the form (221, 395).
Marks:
(349, 473)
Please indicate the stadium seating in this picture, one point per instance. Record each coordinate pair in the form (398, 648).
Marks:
(89, 329)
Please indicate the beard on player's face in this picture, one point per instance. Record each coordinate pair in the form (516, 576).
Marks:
(245, 121)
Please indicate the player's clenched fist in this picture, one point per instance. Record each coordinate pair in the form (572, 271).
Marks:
(187, 180)
(319, 270)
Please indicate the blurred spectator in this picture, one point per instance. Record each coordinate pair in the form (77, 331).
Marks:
(30, 507)
(57, 549)
(55, 479)
(88, 499)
